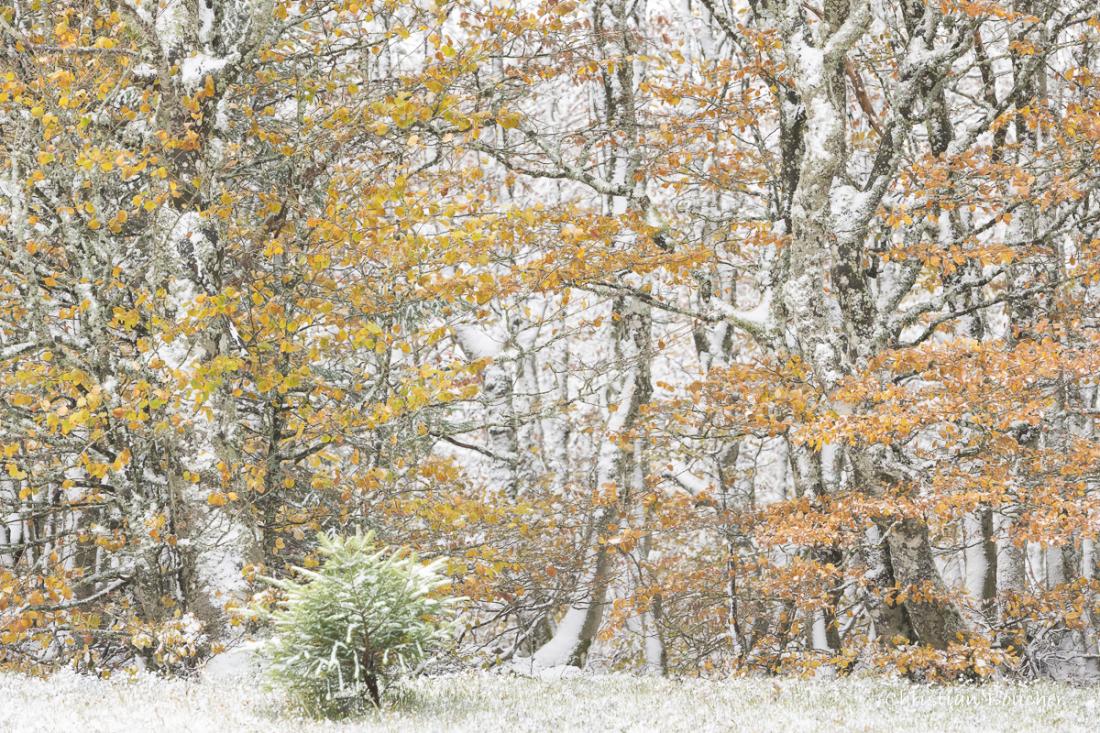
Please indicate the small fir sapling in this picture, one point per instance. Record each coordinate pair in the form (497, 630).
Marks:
(364, 618)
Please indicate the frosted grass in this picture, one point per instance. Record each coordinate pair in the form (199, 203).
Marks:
(483, 703)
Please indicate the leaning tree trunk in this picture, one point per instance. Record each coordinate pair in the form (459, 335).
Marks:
(629, 391)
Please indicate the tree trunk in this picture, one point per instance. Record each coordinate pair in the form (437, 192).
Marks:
(631, 389)
(934, 619)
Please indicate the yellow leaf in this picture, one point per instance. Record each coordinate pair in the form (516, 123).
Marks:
(508, 120)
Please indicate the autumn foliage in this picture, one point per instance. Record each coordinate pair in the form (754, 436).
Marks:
(710, 338)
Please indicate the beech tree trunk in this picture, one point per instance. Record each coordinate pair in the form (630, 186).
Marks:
(825, 300)
(628, 392)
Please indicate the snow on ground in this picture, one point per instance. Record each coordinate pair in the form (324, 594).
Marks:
(482, 703)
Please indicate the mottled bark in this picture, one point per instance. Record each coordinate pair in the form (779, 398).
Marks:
(829, 308)
(498, 380)
(934, 620)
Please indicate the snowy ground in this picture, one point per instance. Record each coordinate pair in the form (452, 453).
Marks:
(481, 703)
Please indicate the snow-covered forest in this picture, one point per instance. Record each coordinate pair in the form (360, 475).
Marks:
(700, 338)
